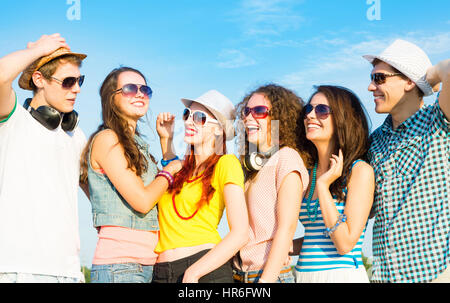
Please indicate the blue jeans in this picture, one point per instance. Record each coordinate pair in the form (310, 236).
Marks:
(286, 276)
(121, 273)
(14, 277)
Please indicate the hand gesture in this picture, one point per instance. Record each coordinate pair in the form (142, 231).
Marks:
(48, 44)
(334, 171)
(165, 123)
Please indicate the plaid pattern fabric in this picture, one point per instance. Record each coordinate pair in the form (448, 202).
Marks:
(412, 175)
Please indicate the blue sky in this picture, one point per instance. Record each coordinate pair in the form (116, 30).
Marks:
(188, 47)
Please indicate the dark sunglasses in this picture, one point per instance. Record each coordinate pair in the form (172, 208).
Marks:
(322, 110)
(69, 82)
(199, 117)
(380, 78)
(258, 112)
(131, 90)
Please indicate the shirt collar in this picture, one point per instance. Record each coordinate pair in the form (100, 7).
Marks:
(387, 125)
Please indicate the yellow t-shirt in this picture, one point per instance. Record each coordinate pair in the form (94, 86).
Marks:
(202, 227)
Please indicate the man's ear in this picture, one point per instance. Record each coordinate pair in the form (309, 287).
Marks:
(409, 86)
(38, 79)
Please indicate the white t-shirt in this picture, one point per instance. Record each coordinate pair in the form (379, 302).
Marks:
(39, 175)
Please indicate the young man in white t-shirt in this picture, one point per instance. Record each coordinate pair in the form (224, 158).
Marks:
(40, 147)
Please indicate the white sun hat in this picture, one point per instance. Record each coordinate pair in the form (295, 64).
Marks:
(220, 106)
(410, 60)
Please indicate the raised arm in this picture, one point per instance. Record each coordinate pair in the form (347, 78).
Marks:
(440, 73)
(108, 154)
(165, 123)
(357, 206)
(13, 64)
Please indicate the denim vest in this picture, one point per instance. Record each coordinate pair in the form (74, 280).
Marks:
(110, 208)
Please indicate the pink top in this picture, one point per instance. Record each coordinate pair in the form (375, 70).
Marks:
(262, 196)
(124, 245)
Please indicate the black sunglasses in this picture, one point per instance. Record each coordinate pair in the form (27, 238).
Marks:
(380, 78)
(130, 90)
(69, 82)
(322, 111)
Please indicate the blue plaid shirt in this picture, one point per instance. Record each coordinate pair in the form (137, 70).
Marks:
(412, 175)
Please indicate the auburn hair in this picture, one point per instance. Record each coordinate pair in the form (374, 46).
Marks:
(188, 169)
(113, 119)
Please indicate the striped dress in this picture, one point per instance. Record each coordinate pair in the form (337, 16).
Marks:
(319, 260)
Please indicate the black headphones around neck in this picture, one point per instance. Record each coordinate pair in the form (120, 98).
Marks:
(256, 160)
(51, 118)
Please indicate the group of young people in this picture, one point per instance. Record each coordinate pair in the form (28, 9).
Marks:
(313, 163)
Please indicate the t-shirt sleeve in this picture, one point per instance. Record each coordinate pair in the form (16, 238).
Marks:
(229, 170)
(4, 120)
(291, 161)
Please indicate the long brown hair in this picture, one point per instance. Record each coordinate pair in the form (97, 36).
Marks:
(286, 108)
(187, 172)
(351, 131)
(113, 119)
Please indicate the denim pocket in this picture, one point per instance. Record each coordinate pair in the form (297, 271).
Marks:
(128, 273)
(94, 276)
(121, 273)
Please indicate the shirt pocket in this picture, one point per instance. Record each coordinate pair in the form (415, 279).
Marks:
(409, 157)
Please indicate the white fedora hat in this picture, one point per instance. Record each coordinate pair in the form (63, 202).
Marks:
(220, 106)
(410, 60)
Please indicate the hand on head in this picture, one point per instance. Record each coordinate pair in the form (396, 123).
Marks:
(47, 44)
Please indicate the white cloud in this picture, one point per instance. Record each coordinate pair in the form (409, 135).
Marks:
(347, 57)
(267, 17)
(432, 45)
(232, 58)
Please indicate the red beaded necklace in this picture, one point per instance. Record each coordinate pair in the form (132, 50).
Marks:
(175, 207)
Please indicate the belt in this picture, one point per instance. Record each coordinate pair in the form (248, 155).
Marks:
(244, 276)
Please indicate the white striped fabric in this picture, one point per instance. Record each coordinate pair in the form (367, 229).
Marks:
(318, 252)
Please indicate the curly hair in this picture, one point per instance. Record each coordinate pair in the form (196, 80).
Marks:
(286, 108)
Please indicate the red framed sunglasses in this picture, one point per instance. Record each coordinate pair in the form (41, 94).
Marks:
(258, 112)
